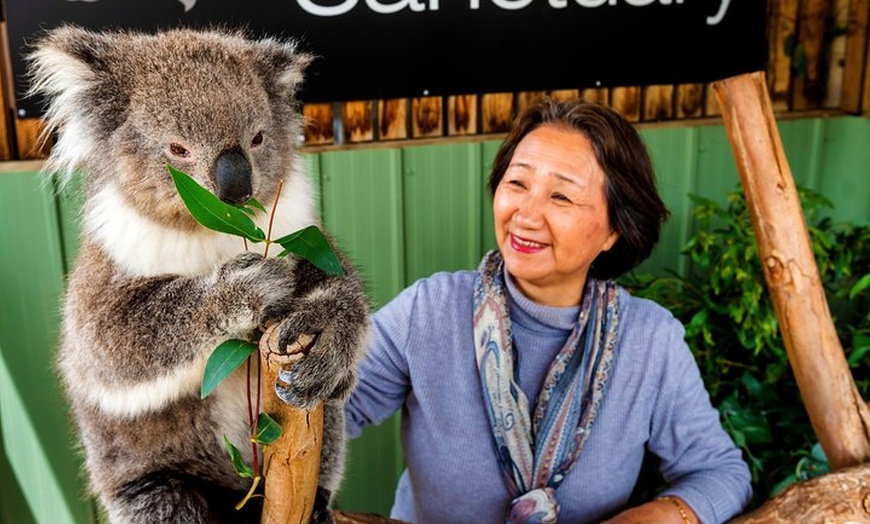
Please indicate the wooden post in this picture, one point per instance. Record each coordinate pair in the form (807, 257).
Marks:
(840, 417)
(290, 465)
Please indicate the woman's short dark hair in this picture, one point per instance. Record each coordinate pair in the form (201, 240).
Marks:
(634, 206)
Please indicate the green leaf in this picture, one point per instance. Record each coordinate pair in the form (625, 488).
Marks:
(268, 431)
(242, 469)
(859, 286)
(211, 212)
(253, 203)
(225, 359)
(310, 244)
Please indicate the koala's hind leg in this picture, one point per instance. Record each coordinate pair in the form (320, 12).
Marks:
(172, 496)
(331, 461)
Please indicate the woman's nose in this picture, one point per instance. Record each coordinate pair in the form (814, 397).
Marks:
(529, 212)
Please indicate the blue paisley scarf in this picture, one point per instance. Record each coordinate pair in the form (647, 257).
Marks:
(536, 450)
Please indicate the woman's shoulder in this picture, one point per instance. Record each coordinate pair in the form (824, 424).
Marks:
(435, 292)
(647, 326)
(643, 310)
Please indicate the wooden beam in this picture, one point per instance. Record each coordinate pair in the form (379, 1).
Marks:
(318, 124)
(426, 117)
(393, 119)
(658, 102)
(855, 53)
(357, 121)
(782, 28)
(462, 115)
(690, 100)
(809, 86)
(497, 112)
(626, 101)
(840, 417)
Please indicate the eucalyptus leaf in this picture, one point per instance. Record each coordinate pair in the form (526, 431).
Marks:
(225, 359)
(213, 213)
(255, 204)
(311, 244)
(268, 431)
(242, 469)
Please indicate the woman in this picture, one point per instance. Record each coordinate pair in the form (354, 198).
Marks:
(531, 387)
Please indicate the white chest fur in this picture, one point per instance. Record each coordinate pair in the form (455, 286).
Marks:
(141, 247)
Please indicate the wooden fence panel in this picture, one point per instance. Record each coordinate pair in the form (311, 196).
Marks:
(393, 119)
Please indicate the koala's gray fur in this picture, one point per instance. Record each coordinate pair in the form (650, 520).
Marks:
(153, 293)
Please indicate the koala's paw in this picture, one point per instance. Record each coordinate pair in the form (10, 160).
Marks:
(330, 332)
(264, 285)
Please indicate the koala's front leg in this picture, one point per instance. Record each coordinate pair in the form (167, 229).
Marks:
(330, 314)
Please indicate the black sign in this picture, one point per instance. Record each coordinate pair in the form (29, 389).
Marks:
(371, 49)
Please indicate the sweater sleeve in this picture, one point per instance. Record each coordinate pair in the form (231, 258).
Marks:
(383, 377)
(698, 458)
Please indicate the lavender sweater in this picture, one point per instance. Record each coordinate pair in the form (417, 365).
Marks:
(421, 360)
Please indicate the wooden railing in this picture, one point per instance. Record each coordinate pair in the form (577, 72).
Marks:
(817, 62)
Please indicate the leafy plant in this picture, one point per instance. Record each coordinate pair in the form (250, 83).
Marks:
(731, 327)
(308, 243)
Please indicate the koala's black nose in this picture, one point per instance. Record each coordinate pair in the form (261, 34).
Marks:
(232, 173)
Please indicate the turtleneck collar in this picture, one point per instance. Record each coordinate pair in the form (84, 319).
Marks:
(536, 316)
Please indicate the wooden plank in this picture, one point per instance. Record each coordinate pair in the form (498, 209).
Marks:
(7, 98)
(28, 139)
(318, 124)
(782, 28)
(357, 123)
(690, 100)
(427, 117)
(565, 94)
(855, 55)
(496, 112)
(462, 115)
(807, 91)
(658, 102)
(626, 101)
(393, 119)
(836, 59)
(597, 95)
(526, 98)
(711, 105)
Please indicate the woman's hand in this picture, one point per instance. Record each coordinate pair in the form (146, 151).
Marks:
(655, 512)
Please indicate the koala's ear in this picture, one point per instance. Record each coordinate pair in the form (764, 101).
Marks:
(282, 65)
(67, 60)
(68, 70)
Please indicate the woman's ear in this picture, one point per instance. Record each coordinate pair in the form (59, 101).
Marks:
(611, 240)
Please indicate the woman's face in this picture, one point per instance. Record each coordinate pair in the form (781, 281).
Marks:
(551, 216)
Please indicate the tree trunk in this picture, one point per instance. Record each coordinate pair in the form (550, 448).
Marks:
(291, 464)
(836, 498)
(840, 417)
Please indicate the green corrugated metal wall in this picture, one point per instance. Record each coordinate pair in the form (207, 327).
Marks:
(400, 214)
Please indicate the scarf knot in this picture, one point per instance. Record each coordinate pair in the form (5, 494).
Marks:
(535, 450)
(537, 506)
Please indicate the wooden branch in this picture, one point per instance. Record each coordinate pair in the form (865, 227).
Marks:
(843, 496)
(840, 417)
(290, 465)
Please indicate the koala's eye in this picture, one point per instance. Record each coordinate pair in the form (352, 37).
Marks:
(257, 140)
(179, 150)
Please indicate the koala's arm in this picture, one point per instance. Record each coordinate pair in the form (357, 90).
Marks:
(149, 327)
(334, 309)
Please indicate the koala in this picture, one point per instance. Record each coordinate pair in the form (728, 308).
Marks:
(152, 293)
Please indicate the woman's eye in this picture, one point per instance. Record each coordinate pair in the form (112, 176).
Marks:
(257, 140)
(517, 183)
(179, 150)
(562, 198)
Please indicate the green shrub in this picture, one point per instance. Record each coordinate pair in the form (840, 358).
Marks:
(732, 330)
